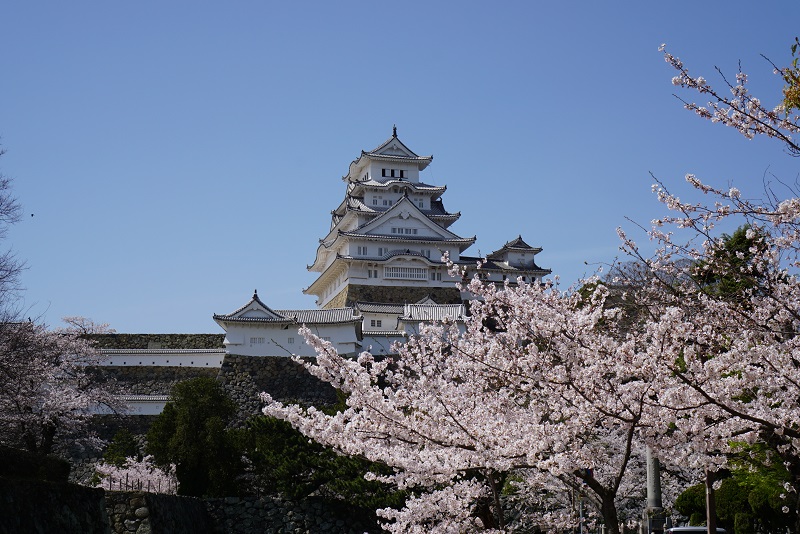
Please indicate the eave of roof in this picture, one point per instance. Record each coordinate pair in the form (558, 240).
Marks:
(331, 316)
(379, 307)
(417, 239)
(384, 333)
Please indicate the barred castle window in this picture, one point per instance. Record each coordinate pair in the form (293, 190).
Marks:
(405, 273)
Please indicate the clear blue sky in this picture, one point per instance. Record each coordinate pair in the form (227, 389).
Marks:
(177, 155)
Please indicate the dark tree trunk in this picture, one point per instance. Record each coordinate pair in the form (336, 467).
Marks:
(609, 511)
(711, 504)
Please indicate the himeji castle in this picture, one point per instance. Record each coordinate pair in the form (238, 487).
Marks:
(381, 264)
(381, 272)
(381, 276)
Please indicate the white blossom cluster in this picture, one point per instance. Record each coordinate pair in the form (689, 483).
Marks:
(47, 391)
(740, 110)
(138, 474)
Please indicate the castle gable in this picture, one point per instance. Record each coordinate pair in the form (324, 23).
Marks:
(404, 219)
(393, 147)
(255, 310)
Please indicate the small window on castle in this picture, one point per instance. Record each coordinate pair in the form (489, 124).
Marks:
(402, 173)
(375, 323)
(383, 172)
(291, 341)
(374, 201)
(362, 251)
(392, 173)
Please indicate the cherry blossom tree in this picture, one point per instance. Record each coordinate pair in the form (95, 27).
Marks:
(535, 393)
(727, 371)
(47, 385)
(138, 474)
(549, 392)
(46, 389)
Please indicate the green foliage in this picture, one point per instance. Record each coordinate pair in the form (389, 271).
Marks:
(791, 75)
(283, 460)
(729, 271)
(191, 433)
(750, 499)
(761, 476)
(692, 501)
(732, 505)
(121, 447)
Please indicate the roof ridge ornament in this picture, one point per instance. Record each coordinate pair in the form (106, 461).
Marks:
(394, 130)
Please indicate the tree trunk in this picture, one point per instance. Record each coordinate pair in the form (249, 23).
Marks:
(711, 505)
(610, 518)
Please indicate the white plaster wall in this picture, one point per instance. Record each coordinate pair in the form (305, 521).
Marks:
(274, 340)
(163, 358)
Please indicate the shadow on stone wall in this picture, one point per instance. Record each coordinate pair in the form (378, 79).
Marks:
(40, 506)
(244, 377)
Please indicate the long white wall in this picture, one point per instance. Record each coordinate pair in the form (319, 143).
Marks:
(163, 357)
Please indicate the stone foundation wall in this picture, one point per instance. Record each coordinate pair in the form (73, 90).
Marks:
(146, 380)
(159, 341)
(244, 377)
(38, 506)
(390, 294)
(139, 512)
(274, 515)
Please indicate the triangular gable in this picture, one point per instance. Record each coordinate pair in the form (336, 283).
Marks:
(404, 209)
(393, 147)
(255, 309)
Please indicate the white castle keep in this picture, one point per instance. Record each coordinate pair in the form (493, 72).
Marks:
(381, 271)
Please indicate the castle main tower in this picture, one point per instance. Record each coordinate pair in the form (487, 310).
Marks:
(388, 236)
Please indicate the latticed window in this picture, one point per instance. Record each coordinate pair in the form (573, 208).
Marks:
(406, 273)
